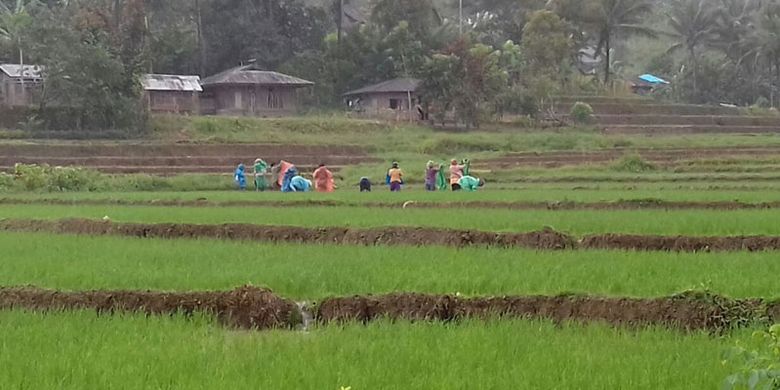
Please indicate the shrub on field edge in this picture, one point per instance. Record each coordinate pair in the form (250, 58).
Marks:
(758, 363)
(32, 177)
(581, 112)
(633, 163)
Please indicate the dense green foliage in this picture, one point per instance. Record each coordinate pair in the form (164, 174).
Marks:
(501, 58)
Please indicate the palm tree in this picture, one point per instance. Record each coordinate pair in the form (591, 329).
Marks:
(618, 18)
(13, 21)
(763, 43)
(694, 24)
(735, 19)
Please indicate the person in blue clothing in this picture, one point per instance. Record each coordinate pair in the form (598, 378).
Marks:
(240, 177)
(287, 180)
(299, 184)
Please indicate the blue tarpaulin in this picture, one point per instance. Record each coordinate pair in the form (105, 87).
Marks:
(652, 79)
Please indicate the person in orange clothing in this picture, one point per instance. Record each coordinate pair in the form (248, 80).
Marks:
(323, 179)
(456, 172)
(396, 177)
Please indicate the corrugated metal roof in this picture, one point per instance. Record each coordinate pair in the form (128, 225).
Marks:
(396, 85)
(169, 82)
(16, 70)
(252, 75)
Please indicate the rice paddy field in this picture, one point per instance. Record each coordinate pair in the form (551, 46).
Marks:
(549, 278)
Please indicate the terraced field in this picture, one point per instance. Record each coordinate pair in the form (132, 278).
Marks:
(563, 272)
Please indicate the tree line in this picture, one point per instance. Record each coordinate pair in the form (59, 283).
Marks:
(503, 56)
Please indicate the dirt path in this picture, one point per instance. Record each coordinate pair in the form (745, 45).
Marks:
(255, 308)
(639, 204)
(540, 240)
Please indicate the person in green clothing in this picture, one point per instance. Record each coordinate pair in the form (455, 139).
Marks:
(261, 167)
(470, 183)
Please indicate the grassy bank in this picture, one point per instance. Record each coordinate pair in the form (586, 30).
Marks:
(577, 222)
(314, 272)
(80, 350)
(405, 138)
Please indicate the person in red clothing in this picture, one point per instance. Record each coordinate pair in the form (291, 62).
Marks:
(323, 179)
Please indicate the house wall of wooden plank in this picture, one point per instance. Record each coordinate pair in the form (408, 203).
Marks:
(249, 91)
(173, 94)
(389, 100)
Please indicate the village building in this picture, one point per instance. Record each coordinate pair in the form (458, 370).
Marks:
(19, 85)
(174, 94)
(250, 91)
(392, 100)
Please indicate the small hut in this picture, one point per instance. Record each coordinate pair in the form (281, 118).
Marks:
(19, 84)
(393, 99)
(172, 93)
(251, 91)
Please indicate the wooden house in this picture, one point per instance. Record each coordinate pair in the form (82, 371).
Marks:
(392, 100)
(250, 91)
(19, 84)
(172, 93)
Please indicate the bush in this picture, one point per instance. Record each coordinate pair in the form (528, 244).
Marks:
(72, 179)
(762, 102)
(759, 363)
(633, 163)
(6, 181)
(33, 177)
(581, 112)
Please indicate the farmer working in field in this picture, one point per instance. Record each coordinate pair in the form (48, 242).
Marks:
(239, 177)
(323, 179)
(457, 171)
(365, 184)
(470, 183)
(284, 167)
(395, 177)
(289, 174)
(261, 168)
(274, 172)
(432, 172)
(299, 184)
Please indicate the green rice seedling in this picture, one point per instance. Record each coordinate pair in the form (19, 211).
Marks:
(576, 222)
(77, 350)
(307, 272)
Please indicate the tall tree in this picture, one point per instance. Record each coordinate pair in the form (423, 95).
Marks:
(13, 22)
(545, 43)
(694, 25)
(465, 77)
(763, 43)
(421, 15)
(611, 19)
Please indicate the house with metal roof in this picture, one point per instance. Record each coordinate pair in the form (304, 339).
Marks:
(165, 93)
(249, 90)
(19, 84)
(392, 99)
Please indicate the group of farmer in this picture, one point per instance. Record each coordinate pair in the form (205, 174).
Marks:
(460, 178)
(285, 177)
